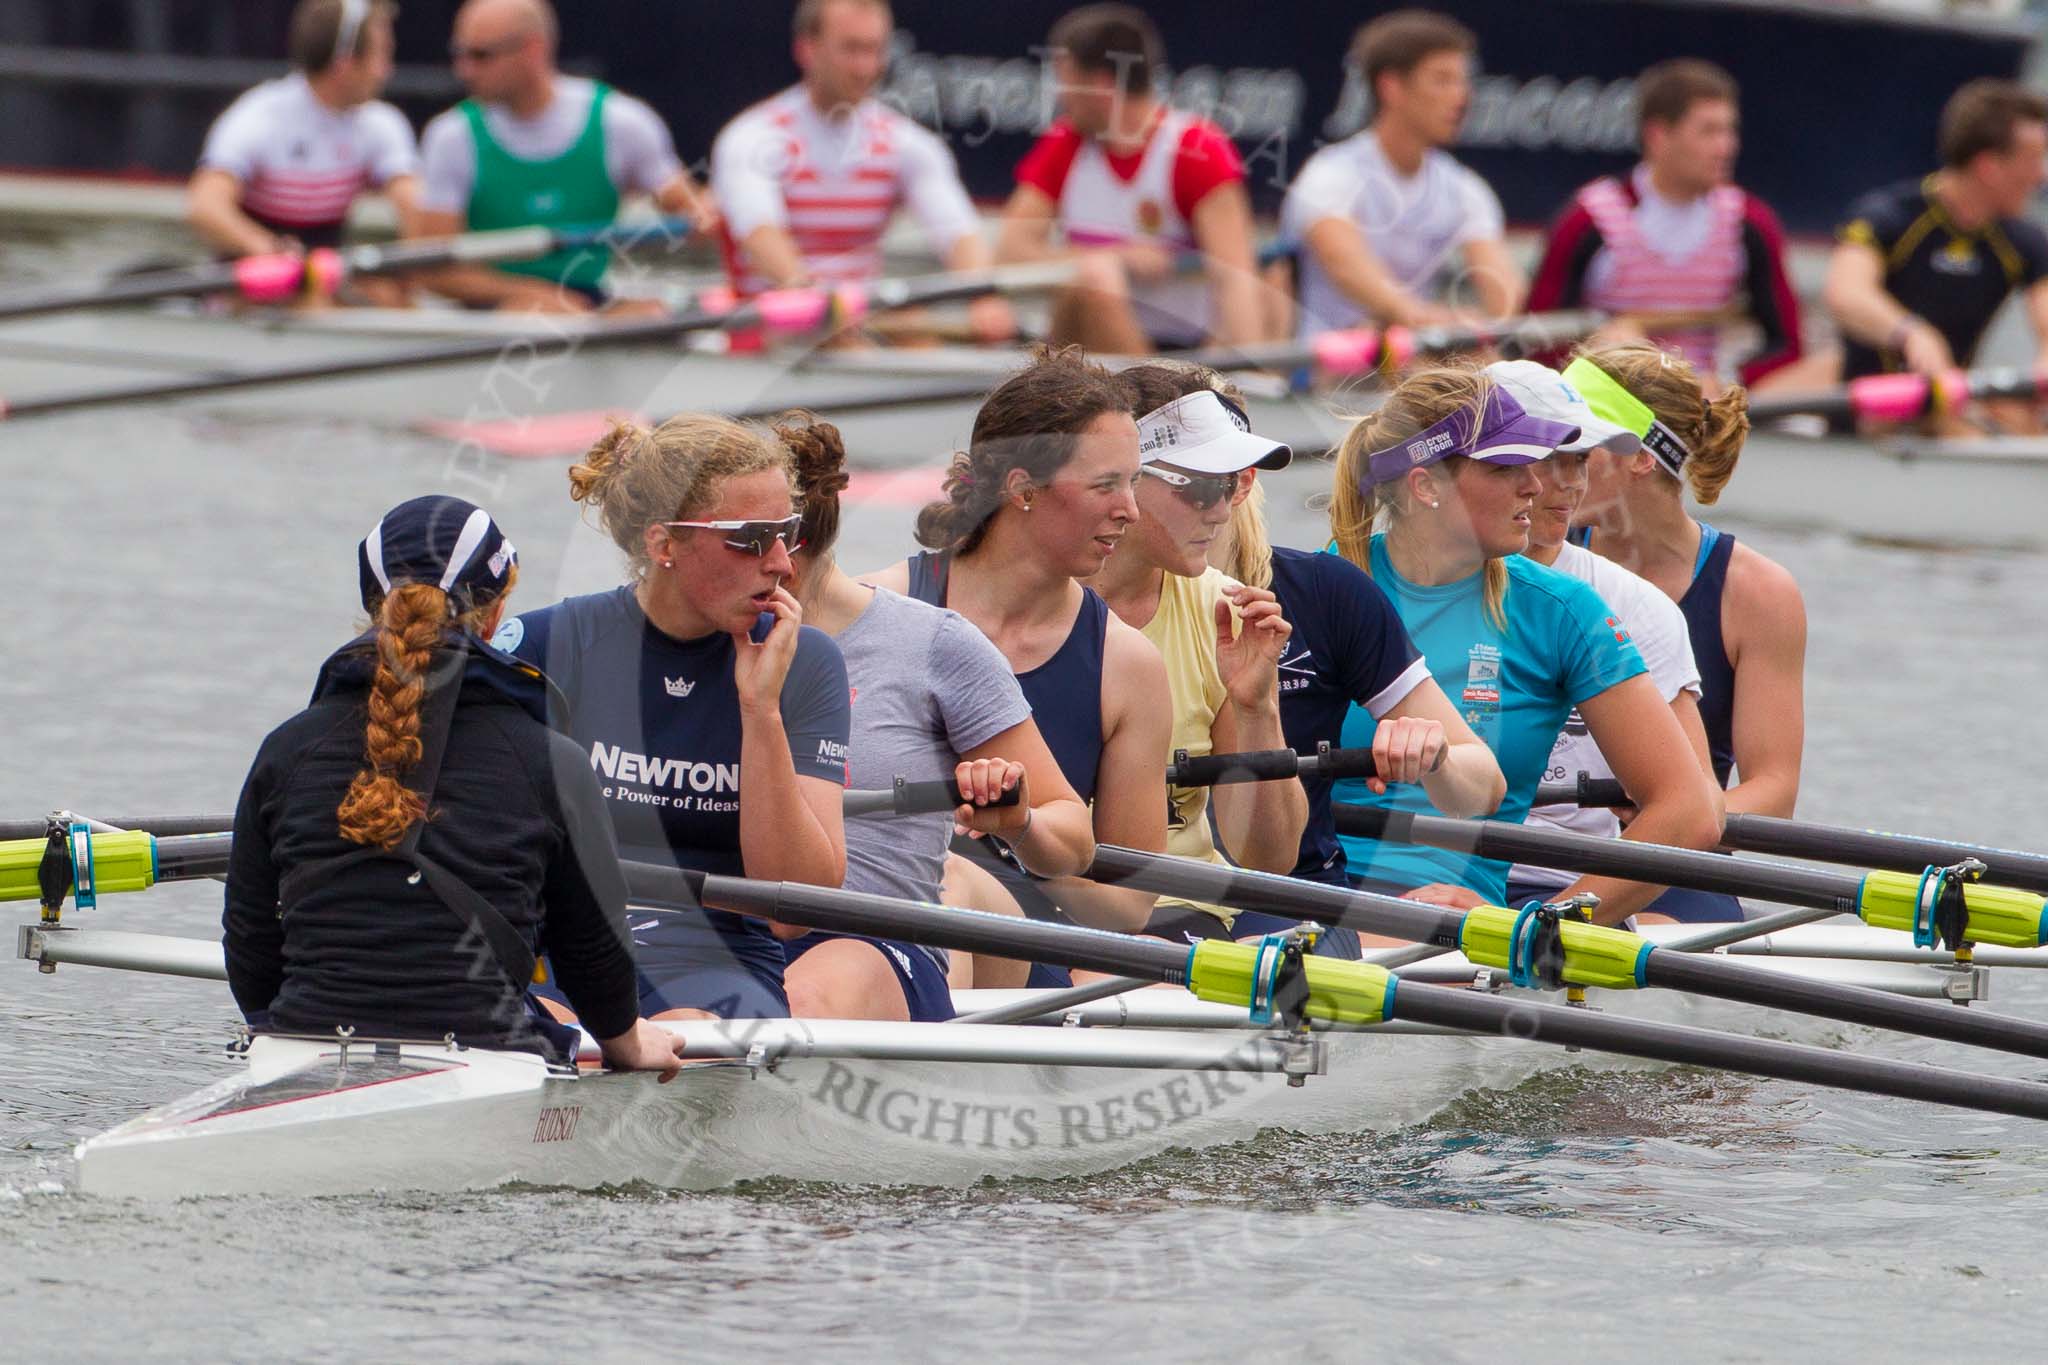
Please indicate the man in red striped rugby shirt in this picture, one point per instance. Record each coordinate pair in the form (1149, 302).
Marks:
(809, 179)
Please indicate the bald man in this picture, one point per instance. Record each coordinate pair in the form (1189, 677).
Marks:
(533, 147)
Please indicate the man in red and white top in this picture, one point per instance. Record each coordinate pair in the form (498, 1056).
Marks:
(284, 163)
(808, 180)
(1133, 185)
(1392, 228)
(1675, 235)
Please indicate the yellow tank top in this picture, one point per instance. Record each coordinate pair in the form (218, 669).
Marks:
(1184, 632)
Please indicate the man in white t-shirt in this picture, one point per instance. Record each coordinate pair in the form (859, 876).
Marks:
(809, 179)
(532, 147)
(1652, 619)
(1391, 228)
(283, 164)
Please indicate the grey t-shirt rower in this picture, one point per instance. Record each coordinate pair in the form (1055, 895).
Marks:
(927, 687)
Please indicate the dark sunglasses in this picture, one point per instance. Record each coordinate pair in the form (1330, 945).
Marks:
(754, 537)
(1199, 491)
(489, 51)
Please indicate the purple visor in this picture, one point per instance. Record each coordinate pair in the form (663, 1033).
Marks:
(1505, 433)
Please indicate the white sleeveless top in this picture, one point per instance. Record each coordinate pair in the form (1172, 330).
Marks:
(1413, 224)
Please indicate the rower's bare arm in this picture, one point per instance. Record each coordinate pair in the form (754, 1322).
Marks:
(683, 197)
(1025, 233)
(1258, 824)
(990, 316)
(404, 193)
(771, 250)
(792, 828)
(1340, 249)
(1686, 706)
(1677, 804)
(1496, 280)
(2037, 315)
(480, 286)
(1059, 841)
(1222, 222)
(1857, 300)
(1768, 649)
(213, 208)
(1130, 784)
(1469, 784)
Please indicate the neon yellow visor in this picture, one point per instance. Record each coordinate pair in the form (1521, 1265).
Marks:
(1613, 403)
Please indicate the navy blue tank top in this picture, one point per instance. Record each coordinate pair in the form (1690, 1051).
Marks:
(1065, 691)
(1702, 607)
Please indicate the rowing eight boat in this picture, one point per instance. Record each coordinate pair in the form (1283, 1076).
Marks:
(1107, 1083)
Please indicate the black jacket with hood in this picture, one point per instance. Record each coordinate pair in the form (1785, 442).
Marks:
(516, 814)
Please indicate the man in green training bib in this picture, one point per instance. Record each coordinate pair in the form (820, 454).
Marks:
(532, 147)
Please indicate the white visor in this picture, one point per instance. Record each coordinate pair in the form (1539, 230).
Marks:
(1204, 433)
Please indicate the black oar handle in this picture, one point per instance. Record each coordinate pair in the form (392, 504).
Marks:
(1257, 765)
(1272, 765)
(1587, 791)
(919, 798)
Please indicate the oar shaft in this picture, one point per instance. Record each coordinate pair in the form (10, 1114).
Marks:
(1699, 973)
(1726, 980)
(1464, 1009)
(1872, 848)
(163, 826)
(1288, 897)
(193, 855)
(967, 931)
(1814, 887)
(278, 277)
(1903, 397)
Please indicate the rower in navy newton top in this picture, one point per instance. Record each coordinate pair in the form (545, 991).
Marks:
(1039, 499)
(716, 720)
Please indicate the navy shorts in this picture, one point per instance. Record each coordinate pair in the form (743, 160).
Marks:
(926, 993)
(1696, 907)
(1180, 924)
(710, 960)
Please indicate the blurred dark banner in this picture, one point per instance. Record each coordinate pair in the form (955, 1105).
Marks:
(1835, 99)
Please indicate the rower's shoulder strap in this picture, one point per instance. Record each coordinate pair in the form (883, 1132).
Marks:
(437, 720)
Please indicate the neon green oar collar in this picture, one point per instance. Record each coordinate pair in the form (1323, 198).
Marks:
(1610, 401)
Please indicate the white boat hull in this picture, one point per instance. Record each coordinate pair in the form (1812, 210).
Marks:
(425, 1117)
